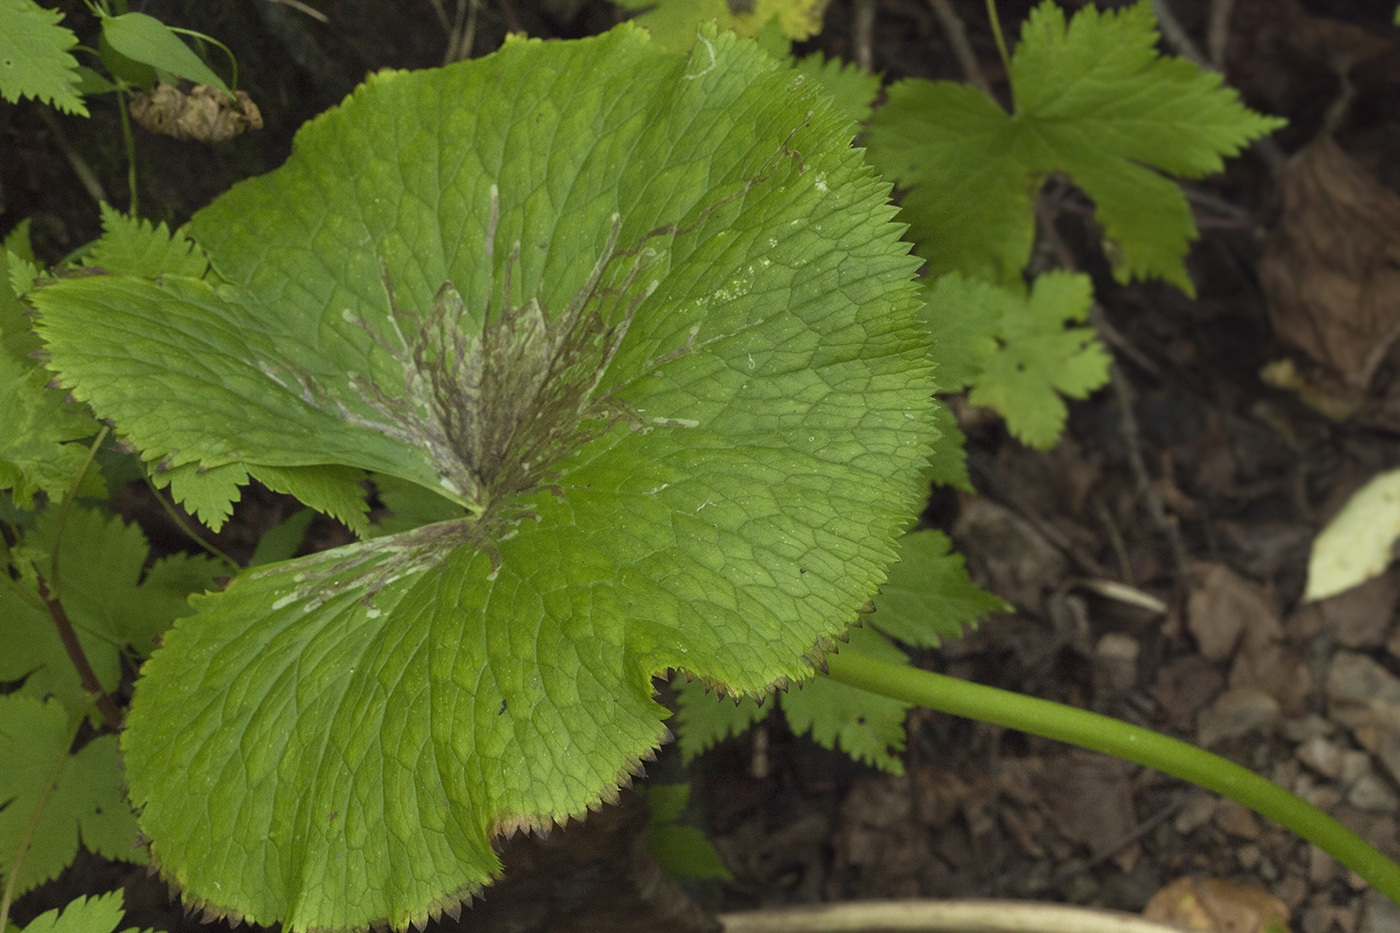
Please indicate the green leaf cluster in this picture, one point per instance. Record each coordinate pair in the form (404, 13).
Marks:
(1015, 351)
(1092, 99)
(72, 563)
(36, 59)
(52, 798)
(641, 322)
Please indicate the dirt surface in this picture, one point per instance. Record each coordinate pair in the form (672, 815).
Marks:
(1156, 558)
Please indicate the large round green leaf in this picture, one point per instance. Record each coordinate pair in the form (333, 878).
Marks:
(644, 318)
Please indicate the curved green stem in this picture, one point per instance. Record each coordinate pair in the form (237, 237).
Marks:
(67, 506)
(233, 62)
(1104, 734)
(133, 208)
(1000, 39)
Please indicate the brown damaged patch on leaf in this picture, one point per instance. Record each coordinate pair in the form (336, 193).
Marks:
(1331, 268)
(204, 114)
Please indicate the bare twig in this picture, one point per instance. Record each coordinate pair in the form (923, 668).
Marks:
(1218, 31)
(1264, 147)
(1115, 538)
(982, 916)
(1142, 829)
(305, 8)
(1115, 339)
(1175, 35)
(957, 37)
(86, 176)
(1127, 423)
(110, 714)
(998, 488)
(442, 16)
(863, 29)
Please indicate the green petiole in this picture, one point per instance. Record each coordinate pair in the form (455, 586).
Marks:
(1142, 746)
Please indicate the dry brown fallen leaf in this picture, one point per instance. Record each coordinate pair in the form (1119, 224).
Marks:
(1211, 905)
(1331, 267)
(205, 113)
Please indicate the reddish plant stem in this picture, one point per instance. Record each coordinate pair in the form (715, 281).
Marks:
(110, 713)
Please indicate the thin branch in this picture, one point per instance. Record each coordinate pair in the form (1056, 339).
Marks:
(957, 37)
(1175, 36)
(442, 16)
(1000, 39)
(304, 8)
(863, 29)
(180, 523)
(1218, 31)
(67, 506)
(939, 916)
(105, 705)
(86, 176)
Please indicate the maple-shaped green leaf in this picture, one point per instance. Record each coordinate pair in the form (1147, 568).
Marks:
(1092, 99)
(111, 601)
(1015, 350)
(35, 60)
(866, 726)
(928, 597)
(75, 796)
(643, 319)
(99, 914)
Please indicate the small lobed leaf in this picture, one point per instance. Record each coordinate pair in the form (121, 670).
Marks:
(1040, 359)
(85, 800)
(705, 718)
(644, 324)
(207, 493)
(964, 316)
(106, 596)
(929, 597)
(35, 60)
(99, 914)
(1014, 349)
(864, 725)
(1093, 99)
(132, 246)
